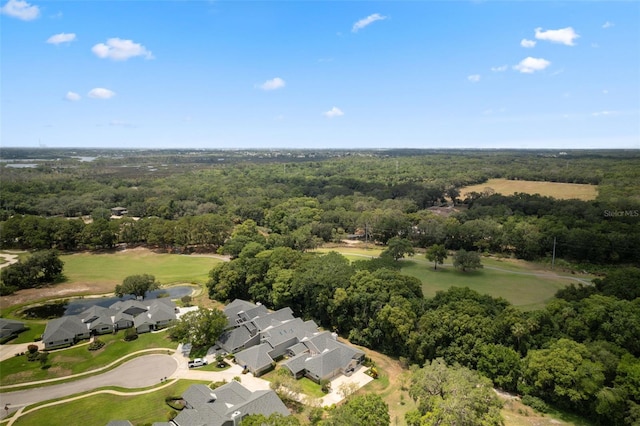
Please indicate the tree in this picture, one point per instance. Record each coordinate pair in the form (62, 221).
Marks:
(437, 254)
(501, 364)
(563, 374)
(398, 247)
(201, 327)
(275, 419)
(365, 410)
(453, 396)
(466, 260)
(286, 386)
(138, 285)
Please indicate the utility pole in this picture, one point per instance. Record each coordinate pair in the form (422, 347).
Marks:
(553, 257)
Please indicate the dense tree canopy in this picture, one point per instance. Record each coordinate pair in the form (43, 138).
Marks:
(452, 396)
(201, 327)
(137, 285)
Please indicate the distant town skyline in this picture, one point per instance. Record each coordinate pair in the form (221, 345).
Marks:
(314, 75)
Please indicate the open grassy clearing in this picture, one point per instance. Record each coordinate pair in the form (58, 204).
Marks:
(512, 279)
(79, 359)
(526, 291)
(91, 274)
(100, 409)
(563, 191)
(115, 267)
(515, 413)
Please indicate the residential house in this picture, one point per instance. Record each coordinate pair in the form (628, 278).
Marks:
(322, 357)
(259, 338)
(226, 405)
(10, 328)
(64, 331)
(145, 316)
(99, 320)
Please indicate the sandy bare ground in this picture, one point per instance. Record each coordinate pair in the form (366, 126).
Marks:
(10, 259)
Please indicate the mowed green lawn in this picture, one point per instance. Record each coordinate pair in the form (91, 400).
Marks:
(114, 267)
(517, 283)
(514, 284)
(79, 359)
(100, 409)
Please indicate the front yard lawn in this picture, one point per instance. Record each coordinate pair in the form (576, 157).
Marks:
(79, 359)
(100, 409)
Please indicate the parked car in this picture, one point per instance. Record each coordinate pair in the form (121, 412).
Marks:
(198, 362)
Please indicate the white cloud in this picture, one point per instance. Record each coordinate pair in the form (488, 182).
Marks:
(20, 9)
(120, 50)
(604, 113)
(333, 112)
(474, 78)
(527, 43)
(72, 96)
(101, 93)
(501, 68)
(530, 65)
(367, 21)
(608, 25)
(273, 84)
(61, 38)
(563, 36)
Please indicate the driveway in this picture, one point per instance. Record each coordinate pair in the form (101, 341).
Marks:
(140, 372)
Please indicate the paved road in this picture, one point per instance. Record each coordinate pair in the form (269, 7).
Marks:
(140, 372)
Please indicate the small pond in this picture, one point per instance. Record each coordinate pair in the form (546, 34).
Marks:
(76, 306)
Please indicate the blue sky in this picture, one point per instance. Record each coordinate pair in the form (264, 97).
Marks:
(320, 74)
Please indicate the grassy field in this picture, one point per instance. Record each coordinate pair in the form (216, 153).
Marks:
(513, 280)
(526, 291)
(100, 409)
(113, 268)
(563, 191)
(78, 359)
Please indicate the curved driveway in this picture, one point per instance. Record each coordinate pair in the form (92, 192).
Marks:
(140, 372)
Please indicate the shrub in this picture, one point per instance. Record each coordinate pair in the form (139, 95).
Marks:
(186, 300)
(32, 356)
(535, 403)
(32, 348)
(96, 344)
(130, 334)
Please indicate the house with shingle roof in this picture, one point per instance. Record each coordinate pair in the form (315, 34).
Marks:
(64, 331)
(226, 405)
(10, 328)
(99, 320)
(259, 341)
(144, 316)
(322, 357)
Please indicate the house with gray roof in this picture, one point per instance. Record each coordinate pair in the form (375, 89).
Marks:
(64, 331)
(10, 328)
(145, 316)
(260, 341)
(226, 405)
(99, 320)
(323, 358)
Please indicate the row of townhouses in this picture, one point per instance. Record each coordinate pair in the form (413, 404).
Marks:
(143, 315)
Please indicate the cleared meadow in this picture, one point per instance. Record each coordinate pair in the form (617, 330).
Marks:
(563, 191)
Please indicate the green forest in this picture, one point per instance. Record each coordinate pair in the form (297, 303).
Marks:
(267, 209)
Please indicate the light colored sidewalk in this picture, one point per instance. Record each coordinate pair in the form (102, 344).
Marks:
(9, 351)
(359, 378)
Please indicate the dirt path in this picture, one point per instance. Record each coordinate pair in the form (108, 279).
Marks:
(10, 259)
